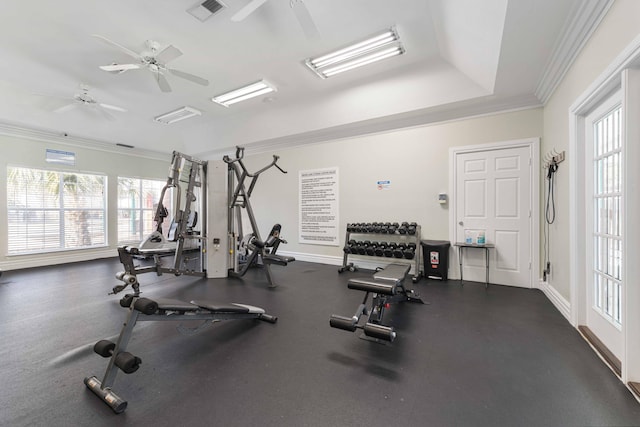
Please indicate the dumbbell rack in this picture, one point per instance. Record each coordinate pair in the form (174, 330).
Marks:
(393, 235)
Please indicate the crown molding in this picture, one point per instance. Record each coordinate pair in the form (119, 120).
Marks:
(44, 135)
(585, 17)
(462, 110)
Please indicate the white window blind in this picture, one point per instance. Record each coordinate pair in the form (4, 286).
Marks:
(137, 203)
(51, 210)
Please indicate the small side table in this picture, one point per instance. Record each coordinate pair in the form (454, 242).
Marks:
(486, 248)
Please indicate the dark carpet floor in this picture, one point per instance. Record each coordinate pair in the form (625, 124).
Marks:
(471, 357)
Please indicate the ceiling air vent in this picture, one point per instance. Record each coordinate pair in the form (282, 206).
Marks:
(205, 10)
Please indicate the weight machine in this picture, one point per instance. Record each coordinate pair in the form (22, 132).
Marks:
(185, 241)
(249, 250)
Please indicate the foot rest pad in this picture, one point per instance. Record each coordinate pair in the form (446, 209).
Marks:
(376, 286)
(228, 308)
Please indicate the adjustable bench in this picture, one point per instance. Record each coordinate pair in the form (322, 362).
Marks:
(145, 309)
(387, 287)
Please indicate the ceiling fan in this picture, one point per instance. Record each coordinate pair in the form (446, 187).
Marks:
(298, 7)
(82, 99)
(154, 59)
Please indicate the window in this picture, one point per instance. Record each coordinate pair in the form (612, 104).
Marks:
(137, 203)
(607, 210)
(50, 210)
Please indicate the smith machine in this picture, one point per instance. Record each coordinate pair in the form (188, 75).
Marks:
(184, 241)
(249, 250)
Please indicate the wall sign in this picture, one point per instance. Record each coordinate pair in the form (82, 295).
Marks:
(319, 207)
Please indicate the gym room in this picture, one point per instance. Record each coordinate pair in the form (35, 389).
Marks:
(320, 213)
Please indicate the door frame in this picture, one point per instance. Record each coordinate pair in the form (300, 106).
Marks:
(533, 144)
(622, 73)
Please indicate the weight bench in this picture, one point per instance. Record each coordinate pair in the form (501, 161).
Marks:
(387, 287)
(145, 309)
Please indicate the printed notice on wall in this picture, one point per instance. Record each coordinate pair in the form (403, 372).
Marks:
(319, 206)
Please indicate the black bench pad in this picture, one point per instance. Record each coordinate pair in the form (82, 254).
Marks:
(277, 259)
(393, 272)
(175, 305)
(227, 308)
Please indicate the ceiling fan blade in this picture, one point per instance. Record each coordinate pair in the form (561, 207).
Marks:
(247, 10)
(162, 82)
(112, 107)
(167, 54)
(121, 68)
(118, 46)
(72, 106)
(305, 19)
(103, 113)
(190, 77)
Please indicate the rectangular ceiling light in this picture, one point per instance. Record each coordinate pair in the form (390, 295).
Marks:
(243, 93)
(177, 115)
(373, 49)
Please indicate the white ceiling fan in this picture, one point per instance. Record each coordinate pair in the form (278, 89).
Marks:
(82, 99)
(154, 59)
(298, 7)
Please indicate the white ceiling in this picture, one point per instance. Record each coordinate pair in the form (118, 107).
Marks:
(463, 57)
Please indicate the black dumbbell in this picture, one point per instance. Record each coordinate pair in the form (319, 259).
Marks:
(362, 247)
(371, 249)
(411, 228)
(410, 251)
(398, 251)
(388, 251)
(379, 251)
(403, 228)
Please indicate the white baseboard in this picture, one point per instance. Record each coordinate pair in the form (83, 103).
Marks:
(365, 262)
(55, 258)
(556, 299)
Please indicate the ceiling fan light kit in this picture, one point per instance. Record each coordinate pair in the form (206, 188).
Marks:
(375, 48)
(246, 92)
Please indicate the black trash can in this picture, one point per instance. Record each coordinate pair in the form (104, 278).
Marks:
(436, 258)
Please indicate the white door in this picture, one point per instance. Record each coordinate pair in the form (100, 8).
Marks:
(604, 234)
(493, 194)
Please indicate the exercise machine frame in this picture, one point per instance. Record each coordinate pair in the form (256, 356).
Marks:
(260, 252)
(191, 172)
(161, 309)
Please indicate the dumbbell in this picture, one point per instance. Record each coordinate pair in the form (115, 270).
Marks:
(371, 249)
(360, 248)
(403, 228)
(127, 362)
(379, 251)
(410, 251)
(398, 251)
(394, 227)
(388, 250)
(412, 227)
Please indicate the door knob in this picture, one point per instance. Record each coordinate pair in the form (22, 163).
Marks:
(460, 223)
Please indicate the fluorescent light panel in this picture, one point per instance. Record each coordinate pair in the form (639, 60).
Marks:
(373, 49)
(177, 115)
(246, 92)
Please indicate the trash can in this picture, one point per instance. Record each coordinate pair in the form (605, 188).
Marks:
(436, 258)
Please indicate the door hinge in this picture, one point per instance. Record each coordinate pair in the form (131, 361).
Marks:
(529, 265)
